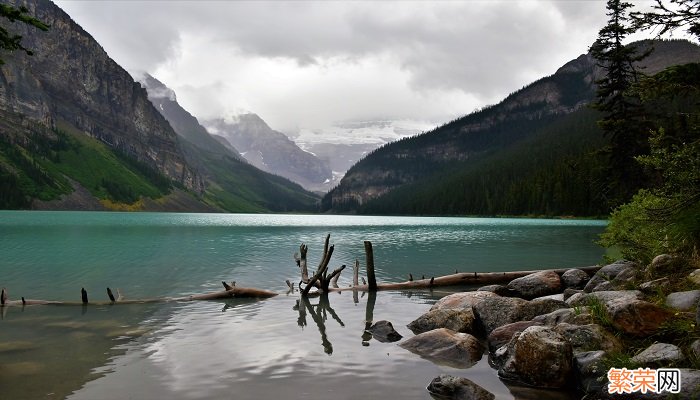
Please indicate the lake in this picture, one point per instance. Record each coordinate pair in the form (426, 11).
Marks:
(243, 349)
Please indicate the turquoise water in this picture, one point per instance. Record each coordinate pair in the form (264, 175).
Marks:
(240, 349)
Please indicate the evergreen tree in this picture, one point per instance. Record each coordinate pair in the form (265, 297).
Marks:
(13, 42)
(622, 120)
(669, 16)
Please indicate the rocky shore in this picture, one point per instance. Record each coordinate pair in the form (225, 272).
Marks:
(573, 330)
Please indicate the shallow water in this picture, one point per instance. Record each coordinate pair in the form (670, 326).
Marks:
(241, 349)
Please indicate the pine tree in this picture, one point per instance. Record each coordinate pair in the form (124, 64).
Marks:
(622, 121)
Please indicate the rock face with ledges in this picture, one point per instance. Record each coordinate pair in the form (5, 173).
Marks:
(70, 81)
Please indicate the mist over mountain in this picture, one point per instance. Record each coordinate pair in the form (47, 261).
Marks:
(510, 158)
(77, 132)
(272, 151)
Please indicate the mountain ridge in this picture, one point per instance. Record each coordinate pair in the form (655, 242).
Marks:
(454, 145)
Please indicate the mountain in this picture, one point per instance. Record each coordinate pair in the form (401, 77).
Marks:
(503, 158)
(232, 183)
(344, 144)
(77, 132)
(271, 151)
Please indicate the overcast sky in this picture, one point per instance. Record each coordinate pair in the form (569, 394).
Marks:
(307, 64)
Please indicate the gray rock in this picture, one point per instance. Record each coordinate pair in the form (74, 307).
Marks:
(498, 289)
(575, 316)
(626, 275)
(588, 337)
(570, 292)
(659, 354)
(458, 320)
(574, 279)
(695, 277)
(683, 301)
(605, 297)
(450, 387)
(662, 264)
(384, 332)
(588, 368)
(607, 274)
(537, 284)
(497, 311)
(462, 300)
(445, 347)
(502, 335)
(695, 348)
(540, 357)
(494, 312)
(558, 297)
(605, 286)
(657, 285)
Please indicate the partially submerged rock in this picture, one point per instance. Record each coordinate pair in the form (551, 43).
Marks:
(538, 356)
(537, 284)
(461, 300)
(383, 331)
(498, 311)
(588, 368)
(458, 320)
(450, 387)
(445, 347)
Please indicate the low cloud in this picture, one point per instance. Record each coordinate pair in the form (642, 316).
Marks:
(308, 64)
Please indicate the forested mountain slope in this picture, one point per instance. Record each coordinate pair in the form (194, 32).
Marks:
(77, 132)
(510, 158)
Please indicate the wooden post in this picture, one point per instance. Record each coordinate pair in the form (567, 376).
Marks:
(3, 296)
(369, 254)
(83, 295)
(355, 274)
(302, 263)
(110, 295)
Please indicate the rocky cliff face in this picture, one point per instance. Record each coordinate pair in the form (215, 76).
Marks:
(271, 151)
(491, 129)
(71, 83)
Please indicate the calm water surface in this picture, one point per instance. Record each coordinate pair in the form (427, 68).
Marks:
(242, 349)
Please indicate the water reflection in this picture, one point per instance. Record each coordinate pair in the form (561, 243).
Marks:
(319, 313)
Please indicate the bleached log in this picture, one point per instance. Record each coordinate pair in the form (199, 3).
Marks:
(355, 273)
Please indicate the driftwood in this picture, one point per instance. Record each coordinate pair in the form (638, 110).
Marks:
(230, 291)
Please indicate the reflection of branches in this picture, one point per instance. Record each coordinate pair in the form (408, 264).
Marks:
(319, 313)
(369, 317)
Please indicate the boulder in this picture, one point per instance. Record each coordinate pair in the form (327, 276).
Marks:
(445, 347)
(626, 275)
(683, 301)
(574, 279)
(588, 337)
(695, 277)
(450, 387)
(608, 273)
(461, 300)
(663, 264)
(605, 297)
(458, 320)
(558, 297)
(498, 289)
(659, 354)
(655, 286)
(637, 317)
(502, 335)
(540, 357)
(383, 331)
(576, 316)
(570, 292)
(695, 348)
(497, 311)
(537, 284)
(588, 368)
(494, 312)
